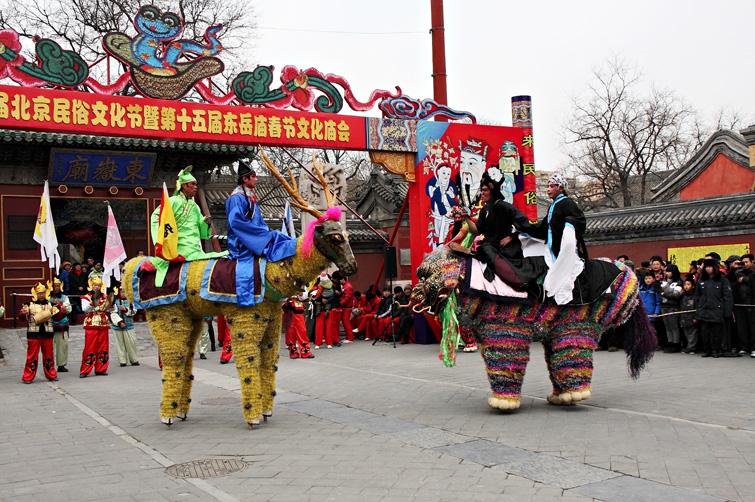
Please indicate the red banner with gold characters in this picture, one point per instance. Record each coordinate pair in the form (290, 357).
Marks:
(95, 114)
(450, 161)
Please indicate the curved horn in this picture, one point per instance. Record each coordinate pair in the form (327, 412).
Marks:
(318, 171)
(300, 202)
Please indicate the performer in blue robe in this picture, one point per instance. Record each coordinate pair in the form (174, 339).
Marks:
(250, 237)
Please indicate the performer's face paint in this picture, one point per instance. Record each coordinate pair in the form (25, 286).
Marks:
(553, 190)
(189, 189)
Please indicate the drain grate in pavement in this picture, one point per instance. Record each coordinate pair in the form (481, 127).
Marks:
(212, 468)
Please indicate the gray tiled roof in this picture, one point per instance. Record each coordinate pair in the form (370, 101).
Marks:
(73, 140)
(728, 143)
(389, 187)
(723, 213)
(272, 197)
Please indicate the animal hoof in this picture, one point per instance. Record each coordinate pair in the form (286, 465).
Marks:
(167, 421)
(182, 416)
(560, 399)
(252, 424)
(567, 398)
(581, 395)
(266, 415)
(503, 404)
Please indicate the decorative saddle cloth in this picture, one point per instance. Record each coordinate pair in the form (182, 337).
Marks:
(476, 284)
(218, 283)
(173, 290)
(219, 280)
(593, 283)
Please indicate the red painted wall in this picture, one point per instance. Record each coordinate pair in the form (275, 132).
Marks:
(641, 251)
(721, 177)
(367, 268)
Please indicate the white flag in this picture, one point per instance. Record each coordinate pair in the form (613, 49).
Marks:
(114, 252)
(288, 221)
(44, 232)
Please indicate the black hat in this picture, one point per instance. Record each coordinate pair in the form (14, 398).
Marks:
(694, 263)
(245, 169)
(710, 262)
(732, 258)
(493, 185)
(715, 255)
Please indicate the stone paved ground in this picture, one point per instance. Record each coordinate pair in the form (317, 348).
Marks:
(380, 423)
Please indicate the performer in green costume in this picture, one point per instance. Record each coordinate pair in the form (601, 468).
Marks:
(192, 226)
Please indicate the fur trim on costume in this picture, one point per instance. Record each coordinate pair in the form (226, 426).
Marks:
(333, 213)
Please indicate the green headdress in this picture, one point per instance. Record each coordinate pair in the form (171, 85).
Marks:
(184, 176)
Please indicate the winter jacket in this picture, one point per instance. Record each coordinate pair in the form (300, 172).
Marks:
(347, 298)
(713, 298)
(671, 294)
(78, 280)
(651, 299)
(687, 303)
(741, 290)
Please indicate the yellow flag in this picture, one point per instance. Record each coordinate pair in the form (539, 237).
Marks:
(166, 246)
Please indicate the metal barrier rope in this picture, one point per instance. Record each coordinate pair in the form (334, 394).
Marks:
(691, 311)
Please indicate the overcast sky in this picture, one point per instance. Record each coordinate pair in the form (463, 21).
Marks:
(496, 49)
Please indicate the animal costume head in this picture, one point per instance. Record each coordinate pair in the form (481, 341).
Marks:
(40, 292)
(184, 176)
(438, 276)
(326, 232)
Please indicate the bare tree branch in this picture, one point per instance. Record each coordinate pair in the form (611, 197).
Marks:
(622, 131)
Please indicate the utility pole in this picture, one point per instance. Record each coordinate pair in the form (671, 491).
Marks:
(440, 93)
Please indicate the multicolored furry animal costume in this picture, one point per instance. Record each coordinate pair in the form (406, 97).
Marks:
(255, 330)
(505, 330)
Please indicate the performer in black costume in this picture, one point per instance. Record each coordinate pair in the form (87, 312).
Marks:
(501, 249)
(595, 276)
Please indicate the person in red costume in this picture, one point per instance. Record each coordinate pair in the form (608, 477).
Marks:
(296, 334)
(224, 339)
(39, 334)
(345, 296)
(96, 330)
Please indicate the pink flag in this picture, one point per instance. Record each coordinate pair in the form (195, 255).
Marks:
(114, 251)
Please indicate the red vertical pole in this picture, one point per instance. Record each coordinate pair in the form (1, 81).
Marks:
(440, 94)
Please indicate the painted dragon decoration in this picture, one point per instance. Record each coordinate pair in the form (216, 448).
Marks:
(160, 65)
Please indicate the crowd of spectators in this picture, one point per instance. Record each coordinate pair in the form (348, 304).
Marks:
(707, 309)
